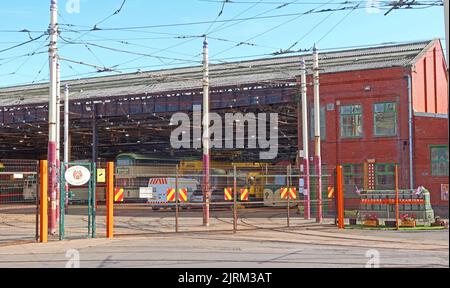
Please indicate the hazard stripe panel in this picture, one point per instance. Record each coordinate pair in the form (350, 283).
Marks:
(228, 194)
(170, 195)
(244, 195)
(330, 192)
(288, 193)
(293, 193)
(284, 193)
(159, 181)
(182, 195)
(118, 194)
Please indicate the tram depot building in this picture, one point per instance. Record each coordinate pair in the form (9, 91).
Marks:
(375, 103)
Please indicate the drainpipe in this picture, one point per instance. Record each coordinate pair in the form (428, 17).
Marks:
(410, 123)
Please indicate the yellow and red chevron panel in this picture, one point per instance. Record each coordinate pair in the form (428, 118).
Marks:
(288, 193)
(293, 193)
(330, 192)
(118, 194)
(244, 194)
(171, 195)
(284, 193)
(228, 194)
(183, 195)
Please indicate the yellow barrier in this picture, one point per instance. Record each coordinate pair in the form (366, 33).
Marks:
(110, 200)
(44, 201)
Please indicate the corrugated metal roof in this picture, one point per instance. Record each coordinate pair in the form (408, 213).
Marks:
(222, 75)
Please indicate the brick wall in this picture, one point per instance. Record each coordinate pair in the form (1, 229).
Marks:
(377, 86)
(365, 88)
(430, 131)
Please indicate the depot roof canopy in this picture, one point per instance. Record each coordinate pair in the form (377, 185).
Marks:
(222, 75)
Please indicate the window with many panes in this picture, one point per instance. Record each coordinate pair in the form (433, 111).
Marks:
(353, 179)
(439, 161)
(385, 176)
(385, 119)
(351, 121)
(323, 123)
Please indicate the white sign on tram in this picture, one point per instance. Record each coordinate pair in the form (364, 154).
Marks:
(77, 175)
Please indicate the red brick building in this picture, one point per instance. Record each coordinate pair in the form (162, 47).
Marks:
(367, 118)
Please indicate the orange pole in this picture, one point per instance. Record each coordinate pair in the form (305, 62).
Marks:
(43, 213)
(397, 200)
(110, 200)
(340, 198)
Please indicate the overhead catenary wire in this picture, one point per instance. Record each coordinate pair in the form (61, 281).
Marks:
(22, 31)
(17, 57)
(31, 55)
(386, 3)
(383, 2)
(225, 27)
(219, 28)
(39, 72)
(138, 69)
(178, 36)
(310, 31)
(112, 15)
(277, 26)
(224, 2)
(99, 68)
(340, 22)
(131, 28)
(123, 51)
(180, 24)
(23, 43)
(234, 19)
(98, 23)
(179, 61)
(127, 42)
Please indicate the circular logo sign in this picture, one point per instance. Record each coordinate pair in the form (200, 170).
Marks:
(77, 175)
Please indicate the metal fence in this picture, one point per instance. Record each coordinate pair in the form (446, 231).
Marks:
(19, 186)
(241, 197)
(166, 198)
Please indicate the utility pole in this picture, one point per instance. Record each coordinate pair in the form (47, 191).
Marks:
(317, 140)
(206, 156)
(305, 155)
(52, 111)
(94, 133)
(58, 138)
(66, 138)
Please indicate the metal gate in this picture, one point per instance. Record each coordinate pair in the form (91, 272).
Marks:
(78, 204)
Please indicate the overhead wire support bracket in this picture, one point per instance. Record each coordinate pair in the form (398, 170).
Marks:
(99, 68)
(399, 4)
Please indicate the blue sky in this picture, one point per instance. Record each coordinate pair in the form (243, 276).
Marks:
(263, 36)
